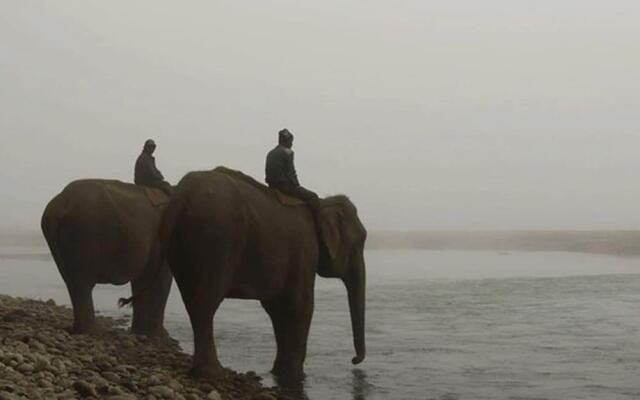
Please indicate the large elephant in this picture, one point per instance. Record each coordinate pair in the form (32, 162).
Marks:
(105, 231)
(227, 236)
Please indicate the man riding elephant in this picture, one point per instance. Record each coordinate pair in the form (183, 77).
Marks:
(226, 236)
(146, 172)
(281, 171)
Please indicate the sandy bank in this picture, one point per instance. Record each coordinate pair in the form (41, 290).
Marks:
(40, 360)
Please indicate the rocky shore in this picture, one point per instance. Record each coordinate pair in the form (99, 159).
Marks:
(39, 359)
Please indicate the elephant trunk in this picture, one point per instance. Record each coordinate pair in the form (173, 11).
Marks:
(355, 284)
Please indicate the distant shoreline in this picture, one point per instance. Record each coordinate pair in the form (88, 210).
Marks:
(614, 243)
(25, 256)
(21, 239)
(622, 243)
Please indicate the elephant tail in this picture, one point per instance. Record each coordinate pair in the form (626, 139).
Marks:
(157, 259)
(127, 301)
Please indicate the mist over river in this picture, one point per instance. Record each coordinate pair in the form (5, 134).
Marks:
(440, 325)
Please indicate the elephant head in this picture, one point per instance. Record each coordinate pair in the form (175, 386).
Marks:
(342, 256)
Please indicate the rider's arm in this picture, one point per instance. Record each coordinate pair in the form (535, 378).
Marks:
(153, 170)
(291, 170)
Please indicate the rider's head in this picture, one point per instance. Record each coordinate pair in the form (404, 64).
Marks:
(285, 138)
(149, 146)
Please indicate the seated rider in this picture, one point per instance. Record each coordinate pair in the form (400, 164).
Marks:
(281, 172)
(146, 172)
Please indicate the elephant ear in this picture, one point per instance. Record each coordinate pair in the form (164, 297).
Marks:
(330, 223)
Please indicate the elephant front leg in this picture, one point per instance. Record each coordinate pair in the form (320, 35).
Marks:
(291, 321)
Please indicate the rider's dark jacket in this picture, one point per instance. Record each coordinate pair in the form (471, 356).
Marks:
(146, 173)
(280, 170)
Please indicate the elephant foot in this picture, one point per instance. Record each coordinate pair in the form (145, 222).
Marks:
(207, 372)
(152, 332)
(288, 374)
(292, 387)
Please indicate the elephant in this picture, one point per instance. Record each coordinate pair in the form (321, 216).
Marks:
(225, 235)
(105, 231)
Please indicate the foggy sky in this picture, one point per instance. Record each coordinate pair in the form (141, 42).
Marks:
(493, 114)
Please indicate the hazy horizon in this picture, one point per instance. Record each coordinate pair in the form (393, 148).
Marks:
(430, 115)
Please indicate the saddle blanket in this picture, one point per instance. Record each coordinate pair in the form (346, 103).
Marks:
(157, 197)
(288, 200)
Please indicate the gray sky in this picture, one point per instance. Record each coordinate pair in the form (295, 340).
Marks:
(493, 114)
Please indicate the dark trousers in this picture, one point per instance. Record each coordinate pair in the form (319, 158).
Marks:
(299, 192)
(162, 185)
(167, 188)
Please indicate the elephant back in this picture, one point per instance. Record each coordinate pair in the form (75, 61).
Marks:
(274, 194)
(108, 222)
(107, 200)
(85, 189)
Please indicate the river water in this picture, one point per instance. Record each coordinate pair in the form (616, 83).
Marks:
(440, 325)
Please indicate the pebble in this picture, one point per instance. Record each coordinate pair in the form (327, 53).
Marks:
(25, 368)
(214, 395)
(154, 381)
(264, 396)
(85, 389)
(162, 391)
(111, 376)
(39, 359)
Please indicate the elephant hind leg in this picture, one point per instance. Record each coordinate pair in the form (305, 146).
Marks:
(84, 320)
(202, 295)
(148, 309)
(205, 356)
(76, 263)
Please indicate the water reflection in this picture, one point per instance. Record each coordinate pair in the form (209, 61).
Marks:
(294, 389)
(360, 385)
(291, 387)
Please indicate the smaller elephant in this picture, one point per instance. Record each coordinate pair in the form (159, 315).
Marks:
(227, 236)
(105, 231)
